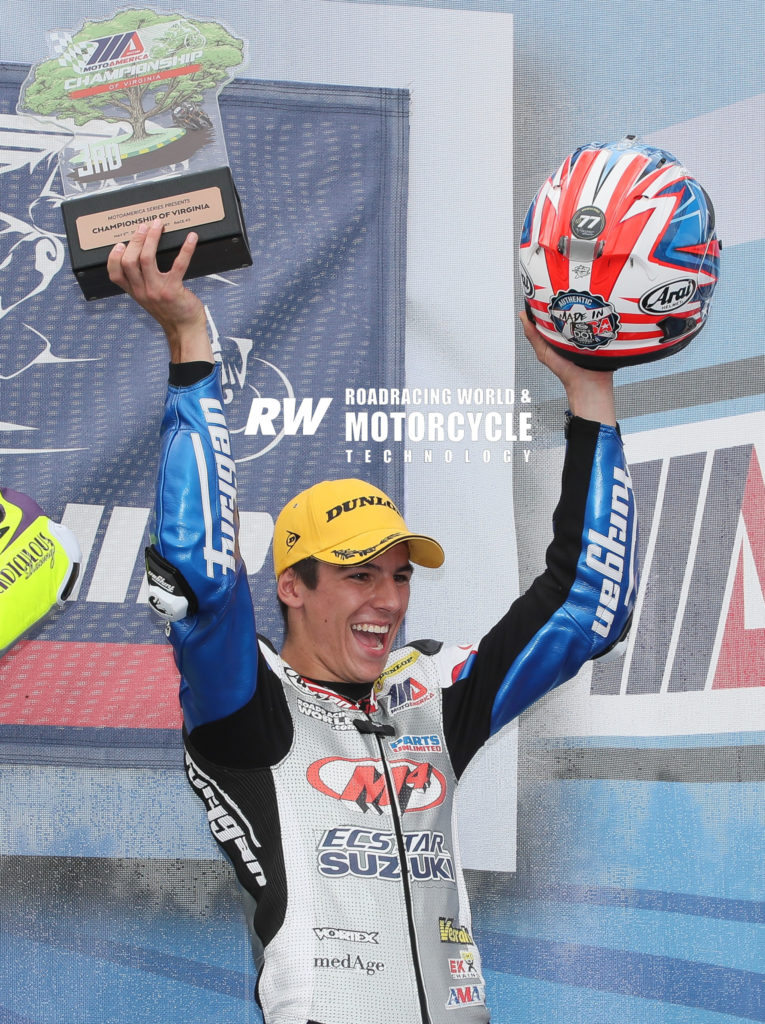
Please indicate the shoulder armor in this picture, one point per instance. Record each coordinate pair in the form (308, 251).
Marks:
(426, 646)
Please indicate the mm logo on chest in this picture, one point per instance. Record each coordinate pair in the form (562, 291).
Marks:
(419, 785)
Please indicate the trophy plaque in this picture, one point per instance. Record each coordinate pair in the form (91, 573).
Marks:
(138, 95)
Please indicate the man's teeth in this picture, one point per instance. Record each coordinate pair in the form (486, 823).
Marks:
(378, 632)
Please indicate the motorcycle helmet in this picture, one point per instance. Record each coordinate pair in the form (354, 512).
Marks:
(618, 256)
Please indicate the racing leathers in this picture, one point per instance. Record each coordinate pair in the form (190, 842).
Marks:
(338, 814)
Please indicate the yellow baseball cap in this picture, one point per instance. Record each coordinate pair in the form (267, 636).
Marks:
(345, 522)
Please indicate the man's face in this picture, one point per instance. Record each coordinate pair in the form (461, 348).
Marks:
(344, 629)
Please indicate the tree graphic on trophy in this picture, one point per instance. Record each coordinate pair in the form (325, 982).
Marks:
(138, 94)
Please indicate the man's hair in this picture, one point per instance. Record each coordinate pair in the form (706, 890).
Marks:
(307, 571)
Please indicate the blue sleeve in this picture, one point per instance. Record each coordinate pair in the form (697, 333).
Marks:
(195, 532)
(595, 605)
(579, 608)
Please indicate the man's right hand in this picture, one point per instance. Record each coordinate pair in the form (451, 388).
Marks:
(177, 310)
(590, 393)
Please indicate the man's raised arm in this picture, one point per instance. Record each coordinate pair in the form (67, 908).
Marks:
(197, 581)
(580, 607)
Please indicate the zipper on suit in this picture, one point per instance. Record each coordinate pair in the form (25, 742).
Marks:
(368, 727)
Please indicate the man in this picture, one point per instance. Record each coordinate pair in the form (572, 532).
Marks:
(328, 772)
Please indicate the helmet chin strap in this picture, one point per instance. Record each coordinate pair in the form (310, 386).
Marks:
(676, 327)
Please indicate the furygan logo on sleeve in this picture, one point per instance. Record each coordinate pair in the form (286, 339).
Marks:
(222, 815)
(606, 553)
(225, 469)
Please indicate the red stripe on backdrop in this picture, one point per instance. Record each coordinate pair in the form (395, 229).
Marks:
(130, 686)
(742, 654)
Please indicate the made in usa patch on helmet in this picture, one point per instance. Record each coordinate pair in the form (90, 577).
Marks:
(587, 320)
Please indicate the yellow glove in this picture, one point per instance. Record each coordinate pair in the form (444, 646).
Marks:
(39, 562)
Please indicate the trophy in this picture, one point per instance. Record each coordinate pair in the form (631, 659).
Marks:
(138, 96)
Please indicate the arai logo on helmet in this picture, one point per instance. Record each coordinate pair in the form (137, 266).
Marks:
(586, 320)
(526, 283)
(666, 297)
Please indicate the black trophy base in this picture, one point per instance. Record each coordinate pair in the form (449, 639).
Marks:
(204, 201)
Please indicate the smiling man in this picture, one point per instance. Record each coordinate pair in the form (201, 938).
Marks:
(328, 770)
(342, 556)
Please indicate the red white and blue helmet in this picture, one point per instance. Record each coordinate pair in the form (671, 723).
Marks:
(619, 257)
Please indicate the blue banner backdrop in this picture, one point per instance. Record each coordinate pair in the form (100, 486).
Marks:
(322, 173)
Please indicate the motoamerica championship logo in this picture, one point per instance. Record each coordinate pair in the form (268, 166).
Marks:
(143, 87)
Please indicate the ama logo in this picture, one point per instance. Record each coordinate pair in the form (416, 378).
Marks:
(419, 786)
(123, 46)
(467, 995)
